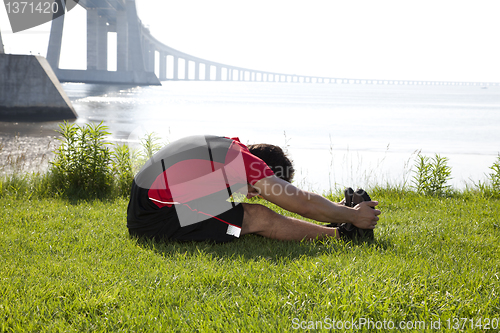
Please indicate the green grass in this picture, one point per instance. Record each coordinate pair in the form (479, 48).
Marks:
(69, 266)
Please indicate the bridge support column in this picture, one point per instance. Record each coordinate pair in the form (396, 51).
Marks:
(197, 71)
(145, 48)
(218, 73)
(135, 52)
(186, 69)
(163, 66)
(121, 41)
(97, 41)
(55, 39)
(92, 38)
(207, 72)
(151, 61)
(102, 43)
(147, 56)
(176, 68)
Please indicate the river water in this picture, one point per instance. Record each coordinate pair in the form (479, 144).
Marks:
(337, 134)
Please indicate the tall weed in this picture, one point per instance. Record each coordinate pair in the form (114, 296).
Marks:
(82, 164)
(494, 177)
(431, 175)
(122, 169)
(491, 187)
(86, 166)
(150, 144)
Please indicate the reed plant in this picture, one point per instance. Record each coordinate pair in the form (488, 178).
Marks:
(83, 160)
(494, 176)
(431, 175)
(122, 169)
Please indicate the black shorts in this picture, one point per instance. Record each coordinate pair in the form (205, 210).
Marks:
(145, 219)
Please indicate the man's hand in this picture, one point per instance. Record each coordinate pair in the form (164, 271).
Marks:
(366, 215)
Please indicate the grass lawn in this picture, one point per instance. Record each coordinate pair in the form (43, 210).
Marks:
(71, 267)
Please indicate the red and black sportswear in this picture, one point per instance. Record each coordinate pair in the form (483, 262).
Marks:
(190, 181)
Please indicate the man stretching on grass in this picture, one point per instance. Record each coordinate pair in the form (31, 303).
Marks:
(185, 192)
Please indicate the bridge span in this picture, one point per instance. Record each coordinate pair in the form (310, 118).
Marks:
(138, 52)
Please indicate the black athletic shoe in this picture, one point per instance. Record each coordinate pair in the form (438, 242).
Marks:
(359, 196)
(349, 231)
(348, 197)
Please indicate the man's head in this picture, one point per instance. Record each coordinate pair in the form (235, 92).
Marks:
(275, 158)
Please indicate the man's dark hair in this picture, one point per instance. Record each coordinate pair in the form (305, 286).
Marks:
(275, 158)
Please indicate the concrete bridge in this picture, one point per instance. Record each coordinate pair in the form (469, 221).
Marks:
(138, 51)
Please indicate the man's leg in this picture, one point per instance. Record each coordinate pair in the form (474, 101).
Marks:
(263, 221)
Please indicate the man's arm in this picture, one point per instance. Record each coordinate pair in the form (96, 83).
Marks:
(314, 206)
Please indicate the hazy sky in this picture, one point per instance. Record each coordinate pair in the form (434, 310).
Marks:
(385, 39)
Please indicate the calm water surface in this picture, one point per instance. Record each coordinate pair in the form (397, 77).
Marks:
(345, 135)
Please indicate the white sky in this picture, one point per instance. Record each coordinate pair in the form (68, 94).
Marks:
(452, 40)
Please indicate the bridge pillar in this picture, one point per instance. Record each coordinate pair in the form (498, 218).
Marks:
(163, 66)
(207, 72)
(186, 69)
(121, 41)
(176, 68)
(135, 52)
(102, 43)
(92, 38)
(197, 71)
(152, 56)
(218, 73)
(147, 47)
(55, 39)
(97, 41)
